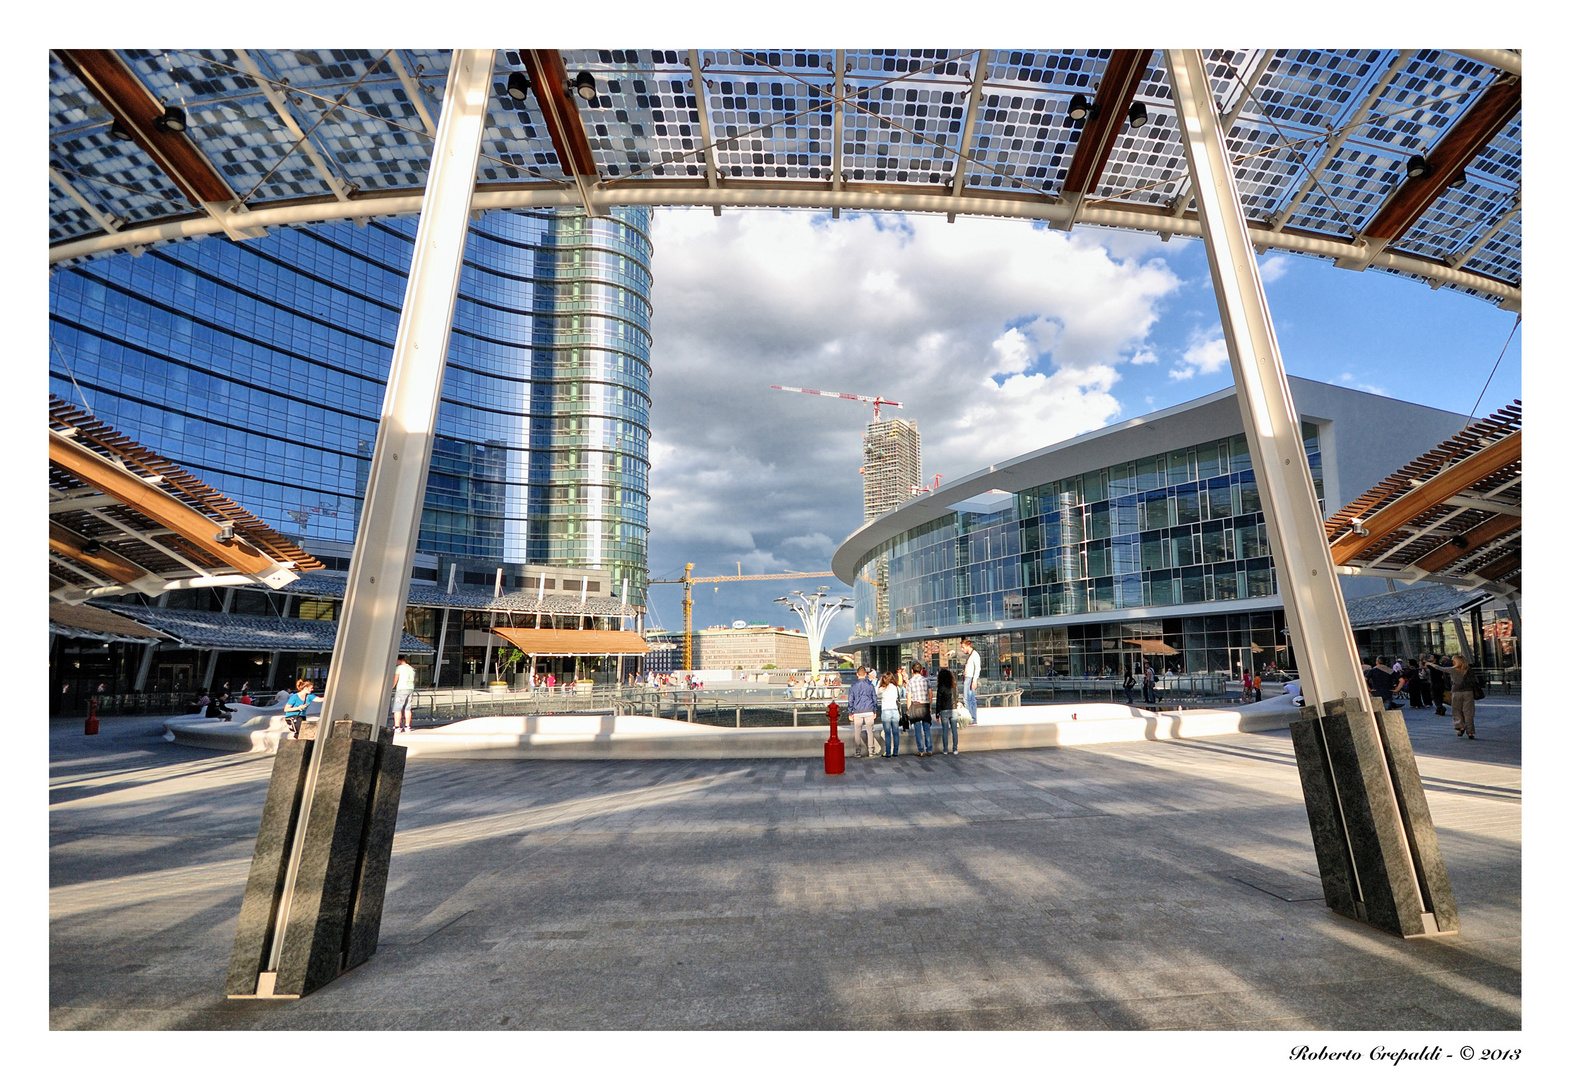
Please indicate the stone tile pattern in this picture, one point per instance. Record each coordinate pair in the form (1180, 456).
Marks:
(1121, 887)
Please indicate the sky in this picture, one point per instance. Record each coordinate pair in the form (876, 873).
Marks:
(998, 337)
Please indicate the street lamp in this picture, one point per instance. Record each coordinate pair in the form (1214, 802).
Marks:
(815, 610)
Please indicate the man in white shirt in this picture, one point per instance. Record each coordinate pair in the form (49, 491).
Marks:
(403, 691)
(972, 674)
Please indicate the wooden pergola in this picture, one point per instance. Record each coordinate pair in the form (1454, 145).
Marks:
(123, 519)
(1453, 516)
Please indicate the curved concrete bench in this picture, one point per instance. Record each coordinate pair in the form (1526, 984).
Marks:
(593, 737)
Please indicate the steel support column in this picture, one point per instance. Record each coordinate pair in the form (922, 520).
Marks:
(314, 899)
(1370, 821)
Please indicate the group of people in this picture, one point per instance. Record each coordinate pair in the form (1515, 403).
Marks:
(1427, 683)
(1148, 680)
(905, 699)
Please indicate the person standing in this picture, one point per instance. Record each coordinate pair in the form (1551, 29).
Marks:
(1464, 691)
(889, 713)
(944, 703)
(1148, 683)
(973, 674)
(1437, 683)
(1129, 686)
(862, 704)
(1382, 682)
(919, 712)
(403, 690)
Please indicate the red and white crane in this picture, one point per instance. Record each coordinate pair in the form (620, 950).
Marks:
(877, 402)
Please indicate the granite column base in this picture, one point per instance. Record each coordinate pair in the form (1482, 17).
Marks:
(1374, 838)
(335, 915)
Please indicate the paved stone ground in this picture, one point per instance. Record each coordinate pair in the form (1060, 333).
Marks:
(1155, 885)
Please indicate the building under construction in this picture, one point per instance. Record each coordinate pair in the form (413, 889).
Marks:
(891, 465)
(891, 471)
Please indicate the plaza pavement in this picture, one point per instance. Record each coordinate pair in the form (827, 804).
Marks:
(1145, 885)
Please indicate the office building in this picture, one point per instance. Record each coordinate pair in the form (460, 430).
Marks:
(1142, 540)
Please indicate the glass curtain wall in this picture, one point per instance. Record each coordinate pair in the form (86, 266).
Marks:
(261, 367)
(1184, 527)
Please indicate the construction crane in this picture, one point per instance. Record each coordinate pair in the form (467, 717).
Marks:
(687, 581)
(878, 402)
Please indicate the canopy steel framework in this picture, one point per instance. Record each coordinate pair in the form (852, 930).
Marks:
(1322, 142)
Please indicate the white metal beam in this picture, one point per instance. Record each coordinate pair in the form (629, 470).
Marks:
(281, 108)
(863, 197)
(107, 222)
(370, 625)
(412, 91)
(1323, 642)
(1462, 258)
(701, 103)
(973, 105)
(1327, 654)
(1182, 197)
(1342, 134)
(837, 153)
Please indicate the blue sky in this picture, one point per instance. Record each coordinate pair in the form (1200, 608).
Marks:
(999, 337)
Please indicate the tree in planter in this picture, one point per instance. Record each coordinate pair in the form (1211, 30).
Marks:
(507, 663)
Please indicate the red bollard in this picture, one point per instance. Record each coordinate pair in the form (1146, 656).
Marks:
(834, 749)
(91, 727)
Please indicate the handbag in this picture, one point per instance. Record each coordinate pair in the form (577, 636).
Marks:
(917, 712)
(1478, 688)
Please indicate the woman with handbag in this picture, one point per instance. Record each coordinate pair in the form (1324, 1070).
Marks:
(1465, 689)
(944, 704)
(889, 713)
(918, 712)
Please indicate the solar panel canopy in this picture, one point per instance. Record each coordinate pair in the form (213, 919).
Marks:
(1323, 142)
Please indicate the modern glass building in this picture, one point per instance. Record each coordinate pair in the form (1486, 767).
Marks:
(261, 367)
(1141, 541)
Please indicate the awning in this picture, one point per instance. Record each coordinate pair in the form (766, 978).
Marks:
(95, 624)
(1152, 646)
(1412, 607)
(548, 642)
(246, 633)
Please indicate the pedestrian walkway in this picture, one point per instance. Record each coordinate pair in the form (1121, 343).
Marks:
(1133, 885)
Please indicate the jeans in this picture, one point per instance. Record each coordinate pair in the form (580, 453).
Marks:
(971, 701)
(948, 731)
(1129, 695)
(891, 734)
(923, 729)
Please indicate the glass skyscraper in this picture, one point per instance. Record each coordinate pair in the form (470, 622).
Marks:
(261, 367)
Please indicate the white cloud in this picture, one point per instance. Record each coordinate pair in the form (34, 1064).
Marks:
(997, 338)
(1206, 355)
(1274, 268)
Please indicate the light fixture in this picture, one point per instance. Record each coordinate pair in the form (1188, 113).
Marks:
(1461, 179)
(1418, 168)
(92, 547)
(172, 121)
(1079, 108)
(118, 132)
(585, 85)
(518, 86)
(1137, 115)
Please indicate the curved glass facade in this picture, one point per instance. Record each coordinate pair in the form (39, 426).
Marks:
(1173, 529)
(261, 366)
